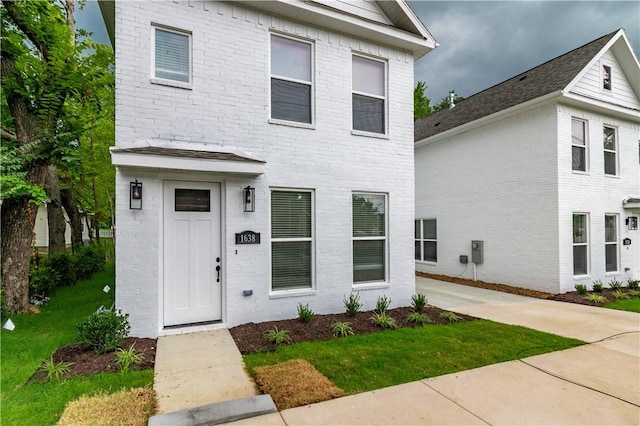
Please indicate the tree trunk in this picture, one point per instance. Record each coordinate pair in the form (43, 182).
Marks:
(18, 218)
(55, 214)
(71, 207)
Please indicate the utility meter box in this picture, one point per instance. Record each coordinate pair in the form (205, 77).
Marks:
(477, 251)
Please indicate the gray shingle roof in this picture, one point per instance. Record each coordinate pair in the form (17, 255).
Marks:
(546, 78)
(186, 153)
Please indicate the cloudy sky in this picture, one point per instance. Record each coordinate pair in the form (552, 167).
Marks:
(483, 43)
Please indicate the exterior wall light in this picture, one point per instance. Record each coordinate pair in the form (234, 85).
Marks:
(135, 195)
(249, 195)
(632, 223)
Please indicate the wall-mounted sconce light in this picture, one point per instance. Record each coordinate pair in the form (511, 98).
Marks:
(135, 195)
(632, 223)
(249, 195)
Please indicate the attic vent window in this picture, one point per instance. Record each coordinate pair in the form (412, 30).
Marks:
(606, 77)
(523, 77)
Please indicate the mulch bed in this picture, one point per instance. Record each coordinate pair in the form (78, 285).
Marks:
(85, 362)
(251, 337)
(575, 297)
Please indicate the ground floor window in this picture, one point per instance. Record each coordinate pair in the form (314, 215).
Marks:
(291, 239)
(426, 240)
(611, 242)
(369, 220)
(580, 244)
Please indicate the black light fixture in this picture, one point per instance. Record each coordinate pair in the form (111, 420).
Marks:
(249, 195)
(135, 195)
(632, 223)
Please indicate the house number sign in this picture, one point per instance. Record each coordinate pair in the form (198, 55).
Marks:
(248, 237)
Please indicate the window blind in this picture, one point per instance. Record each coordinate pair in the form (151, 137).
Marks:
(172, 55)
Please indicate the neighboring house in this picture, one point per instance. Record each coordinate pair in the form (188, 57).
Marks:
(288, 119)
(541, 171)
(41, 230)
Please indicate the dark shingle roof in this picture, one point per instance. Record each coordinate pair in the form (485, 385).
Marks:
(186, 153)
(546, 78)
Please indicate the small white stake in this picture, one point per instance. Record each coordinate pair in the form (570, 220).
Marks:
(106, 288)
(9, 325)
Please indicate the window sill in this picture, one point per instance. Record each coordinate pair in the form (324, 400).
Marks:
(292, 124)
(613, 274)
(612, 176)
(580, 172)
(427, 262)
(172, 83)
(282, 294)
(370, 286)
(369, 134)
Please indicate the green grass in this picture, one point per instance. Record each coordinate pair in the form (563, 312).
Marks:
(366, 362)
(631, 305)
(37, 336)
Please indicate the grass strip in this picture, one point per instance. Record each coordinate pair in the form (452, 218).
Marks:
(631, 305)
(367, 362)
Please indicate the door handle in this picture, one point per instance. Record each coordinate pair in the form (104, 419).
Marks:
(218, 271)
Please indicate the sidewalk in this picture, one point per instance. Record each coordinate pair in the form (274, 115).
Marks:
(597, 383)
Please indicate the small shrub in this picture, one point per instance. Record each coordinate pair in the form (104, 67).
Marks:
(633, 284)
(596, 298)
(417, 318)
(382, 304)
(40, 281)
(104, 330)
(383, 320)
(581, 288)
(352, 305)
(450, 316)
(127, 358)
(633, 293)
(62, 267)
(90, 258)
(305, 314)
(278, 337)
(615, 285)
(598, 286)
(55, 370)
(418, 302)
(342, 329)
(620, 295)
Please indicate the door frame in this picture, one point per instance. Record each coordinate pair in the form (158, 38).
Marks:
(187, 179)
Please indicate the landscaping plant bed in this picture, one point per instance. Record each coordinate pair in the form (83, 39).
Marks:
(575, 297)
(251, 337)
(84, 362)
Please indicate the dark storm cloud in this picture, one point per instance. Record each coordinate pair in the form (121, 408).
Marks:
(483, 43)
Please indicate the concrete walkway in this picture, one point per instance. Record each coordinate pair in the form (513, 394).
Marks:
(597, 383)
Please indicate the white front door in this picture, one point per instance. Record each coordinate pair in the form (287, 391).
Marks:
(192, 254)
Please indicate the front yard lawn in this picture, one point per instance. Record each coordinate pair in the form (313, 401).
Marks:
(631, 305)
(372, 361)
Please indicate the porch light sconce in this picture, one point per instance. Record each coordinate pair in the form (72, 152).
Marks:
(249, 194)
(632, 223)
(135, 195)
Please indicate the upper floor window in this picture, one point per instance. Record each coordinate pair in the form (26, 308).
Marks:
(580, 244)
(369, 237)
(172, 55)
(426, 240)
(291, 79)
(578, 145)
(369, 94)
(610, 148)
(606, 77)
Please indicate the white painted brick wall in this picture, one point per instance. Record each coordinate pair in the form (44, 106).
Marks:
(229, 105)
(511, 184)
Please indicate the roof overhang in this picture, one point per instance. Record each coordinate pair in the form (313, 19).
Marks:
(601, 106)
(631, 203)
(187, 157)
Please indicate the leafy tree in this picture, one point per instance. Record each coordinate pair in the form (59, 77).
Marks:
(446, 101)
(47, 73)
(421, 104)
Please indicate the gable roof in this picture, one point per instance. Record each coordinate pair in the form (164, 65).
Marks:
(545, 79)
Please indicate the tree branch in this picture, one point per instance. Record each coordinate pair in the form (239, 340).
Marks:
(19, 21)
(10, 136)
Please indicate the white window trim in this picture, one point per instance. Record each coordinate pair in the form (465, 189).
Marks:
(608, 65)
(616, 243)
(422, 241)
(276, 294)
(585, 147)
(573, 244)
(385, 134)
(385, 281)
(312, 89)
(614, 151)
(166, 81)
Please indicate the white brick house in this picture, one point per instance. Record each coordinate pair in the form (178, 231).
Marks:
(542, 169)
(300, 110)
